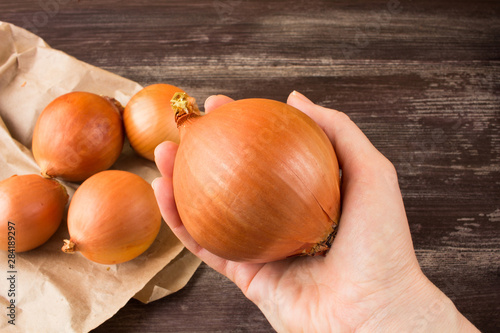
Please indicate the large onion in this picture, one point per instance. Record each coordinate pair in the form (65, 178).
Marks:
(149, 119)
(77, 135)
(31, 210)
(113, 217)
(256, 180)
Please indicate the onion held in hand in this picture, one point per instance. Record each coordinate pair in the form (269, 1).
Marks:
(113, 217)
(256, 180)
(31, 210)
(77, 135)
(149, 119)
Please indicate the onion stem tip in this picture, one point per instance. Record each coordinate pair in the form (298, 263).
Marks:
(44, 174)
(69, 246)
(184, 107)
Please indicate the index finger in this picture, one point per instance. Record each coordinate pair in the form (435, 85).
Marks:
(351, 145)
(369, 187)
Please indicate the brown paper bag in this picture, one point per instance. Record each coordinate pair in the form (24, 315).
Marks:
(46, 290)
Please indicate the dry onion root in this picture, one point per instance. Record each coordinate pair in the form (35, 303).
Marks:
(113, 217)
(255, 180)
(31, 210)
(77, 135)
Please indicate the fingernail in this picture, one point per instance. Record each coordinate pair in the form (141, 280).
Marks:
(208, 102)
(301, 96)
(209, 98)
(154, 182)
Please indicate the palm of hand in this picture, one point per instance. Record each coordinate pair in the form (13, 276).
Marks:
(363, 271)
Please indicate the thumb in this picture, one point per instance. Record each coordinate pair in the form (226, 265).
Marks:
(214, 101)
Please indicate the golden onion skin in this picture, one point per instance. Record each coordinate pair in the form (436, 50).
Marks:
(77, 135)
(113, 217)
(34, 206)
(149, 119)
(257, 180)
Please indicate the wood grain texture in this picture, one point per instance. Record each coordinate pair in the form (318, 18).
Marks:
(420, 78)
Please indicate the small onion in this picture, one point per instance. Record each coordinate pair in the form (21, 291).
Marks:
(256, 180)
(113, 217)
(149, 119)
(77, 135)
(31, 210)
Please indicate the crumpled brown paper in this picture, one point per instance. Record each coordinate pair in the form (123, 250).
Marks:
(54, 291)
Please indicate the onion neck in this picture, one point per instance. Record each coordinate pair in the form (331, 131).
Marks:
(69, 246)
(44, 174)
(184, 107)
(119, 107)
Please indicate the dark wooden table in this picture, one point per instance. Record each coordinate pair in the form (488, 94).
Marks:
(421, 79)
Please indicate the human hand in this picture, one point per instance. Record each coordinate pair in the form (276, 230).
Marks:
(370, 279)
